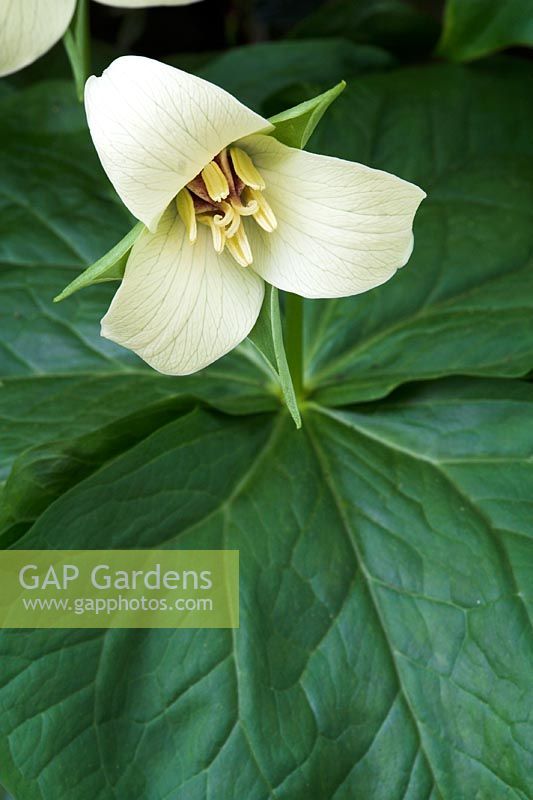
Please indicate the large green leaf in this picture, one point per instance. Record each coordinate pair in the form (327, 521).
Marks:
(385, 644)
(386, 641)
(38, 409)
(58, 213)
(474, 28)
(464, 302)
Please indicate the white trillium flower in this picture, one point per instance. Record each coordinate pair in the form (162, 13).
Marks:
(226, 207)
(29, 28)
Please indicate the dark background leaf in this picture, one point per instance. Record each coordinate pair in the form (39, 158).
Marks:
(397, 26)
(256, 72)
(475, 28)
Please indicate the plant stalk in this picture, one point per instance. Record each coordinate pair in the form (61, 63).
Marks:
(294, 340)
(77, 42)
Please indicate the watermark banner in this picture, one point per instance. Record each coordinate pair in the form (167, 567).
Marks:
(119, 589)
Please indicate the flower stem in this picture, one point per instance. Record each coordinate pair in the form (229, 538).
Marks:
(77, 41)
(294, 340)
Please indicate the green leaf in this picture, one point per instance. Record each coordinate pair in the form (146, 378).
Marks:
(36, 410)
(255, 72)
(386, 549)
(63, 116)
(385, 612)
(58, 215)
(109, 267)
(44, 472)
(295, 126)
(394, 25)
(475, 28)
(267, 337)
(464, 302)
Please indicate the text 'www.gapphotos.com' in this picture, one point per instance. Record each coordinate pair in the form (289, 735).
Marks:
(112, 605)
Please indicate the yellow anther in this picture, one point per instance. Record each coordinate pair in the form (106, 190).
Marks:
(245, 169)
(219, 237)
(185, 205)
(264, 216)
(215, 182)
(240, 249)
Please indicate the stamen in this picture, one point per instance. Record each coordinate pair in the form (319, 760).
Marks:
(215, 182)
(245, 169)
(240, 249)
(225, 165)
(227, 190)
(185, 205)
(229, 214)
(245, 211)
(219, 237)
(264, 217)
(232, 229)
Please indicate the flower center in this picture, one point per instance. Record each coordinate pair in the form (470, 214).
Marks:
(225, 192)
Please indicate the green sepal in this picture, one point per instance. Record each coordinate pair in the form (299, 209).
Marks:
(108, 268)
(267, 338)
(295, 126)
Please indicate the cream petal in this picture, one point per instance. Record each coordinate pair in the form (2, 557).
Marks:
(343, 228)
(156, 127)
(28, 28)
(181, 306)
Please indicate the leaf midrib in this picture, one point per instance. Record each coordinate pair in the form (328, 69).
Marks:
(323, 464)
(437, 465)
